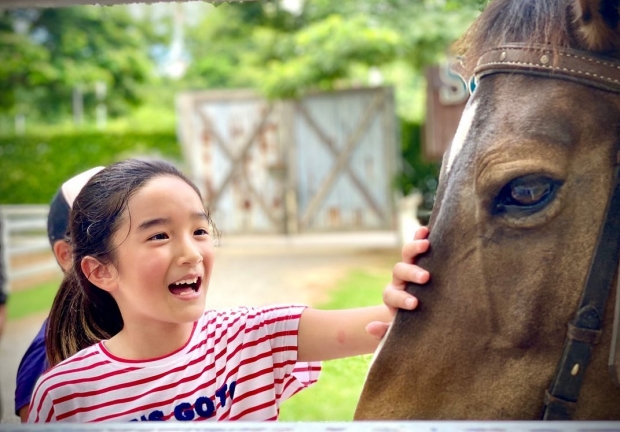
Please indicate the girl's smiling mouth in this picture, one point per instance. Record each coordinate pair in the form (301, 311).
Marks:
(188, 287)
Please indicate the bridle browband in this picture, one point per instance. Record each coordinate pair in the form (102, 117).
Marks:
(562, 63)
(585, 328)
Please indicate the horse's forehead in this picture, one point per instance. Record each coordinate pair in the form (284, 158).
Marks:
(462, 133)
(513, 110)
(520, 118)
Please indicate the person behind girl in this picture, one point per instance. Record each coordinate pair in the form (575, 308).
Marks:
(142, 259)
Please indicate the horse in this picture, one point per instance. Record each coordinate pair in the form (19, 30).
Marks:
(526, 214)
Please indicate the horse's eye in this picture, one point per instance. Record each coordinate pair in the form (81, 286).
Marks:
(526, 195)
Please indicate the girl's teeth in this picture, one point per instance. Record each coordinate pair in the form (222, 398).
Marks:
(189, 281)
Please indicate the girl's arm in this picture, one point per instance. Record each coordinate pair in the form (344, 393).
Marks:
(325, 335)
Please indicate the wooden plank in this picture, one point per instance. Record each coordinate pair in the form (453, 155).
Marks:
(223, 95)
(208, 124)
(286, 114)
(235, 161)
(329, 143)
(221, 143)
(391, 148)
(261, 202)
(30, 210)
(342, 160)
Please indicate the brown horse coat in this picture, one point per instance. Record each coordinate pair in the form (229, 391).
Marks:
(521, 197)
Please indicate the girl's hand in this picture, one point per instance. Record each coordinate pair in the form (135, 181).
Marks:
(394, 296)
(325, 335)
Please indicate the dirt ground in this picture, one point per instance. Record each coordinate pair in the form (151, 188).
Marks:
(253, 271)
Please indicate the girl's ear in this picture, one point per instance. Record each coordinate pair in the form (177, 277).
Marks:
(101, 275)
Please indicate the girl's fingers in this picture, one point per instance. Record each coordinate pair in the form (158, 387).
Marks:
(377, 329)
(421, 233)
(399, 299)
(395, 296)
(413, 249)
(404, 272)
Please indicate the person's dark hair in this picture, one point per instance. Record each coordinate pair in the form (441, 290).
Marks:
(83, 314)
(58, 218)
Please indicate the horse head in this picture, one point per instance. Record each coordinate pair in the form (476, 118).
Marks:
(522, 197)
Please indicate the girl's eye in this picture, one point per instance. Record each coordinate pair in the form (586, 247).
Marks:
(160, 236)
(526, 195)
(201, 231)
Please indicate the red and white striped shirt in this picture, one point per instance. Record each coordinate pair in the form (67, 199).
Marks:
(237, 365)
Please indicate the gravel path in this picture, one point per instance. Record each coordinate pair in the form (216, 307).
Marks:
(249, 271)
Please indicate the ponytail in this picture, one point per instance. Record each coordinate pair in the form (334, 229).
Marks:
(80, 317)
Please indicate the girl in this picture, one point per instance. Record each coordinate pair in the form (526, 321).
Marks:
(142, 258)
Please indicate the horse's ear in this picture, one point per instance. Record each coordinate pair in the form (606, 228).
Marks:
(598, 24)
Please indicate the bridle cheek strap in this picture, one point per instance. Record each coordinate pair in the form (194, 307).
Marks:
(585, 329)
(614, 352)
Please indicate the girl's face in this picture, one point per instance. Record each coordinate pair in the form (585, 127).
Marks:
(164, 254)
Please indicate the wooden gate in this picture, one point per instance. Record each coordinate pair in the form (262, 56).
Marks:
(322, 163)
(346, 160)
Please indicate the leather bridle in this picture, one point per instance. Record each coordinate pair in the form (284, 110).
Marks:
(585, 329)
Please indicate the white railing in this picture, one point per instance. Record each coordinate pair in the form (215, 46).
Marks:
(26, 250)
(377, 426)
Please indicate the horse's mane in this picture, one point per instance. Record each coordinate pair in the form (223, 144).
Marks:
(533, 22)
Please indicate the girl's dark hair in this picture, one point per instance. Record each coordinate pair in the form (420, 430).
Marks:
(83, 314)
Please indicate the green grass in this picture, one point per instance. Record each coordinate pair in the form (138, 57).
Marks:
(335, 395)
(33, 300)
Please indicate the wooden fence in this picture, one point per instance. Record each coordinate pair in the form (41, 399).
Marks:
(26, 251)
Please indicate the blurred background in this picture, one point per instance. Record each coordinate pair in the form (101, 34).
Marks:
(314, 128)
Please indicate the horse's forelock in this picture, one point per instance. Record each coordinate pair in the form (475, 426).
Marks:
(533, 22)
(598, 24)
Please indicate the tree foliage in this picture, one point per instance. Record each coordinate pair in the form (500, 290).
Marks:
(284, 54)
(48, 52)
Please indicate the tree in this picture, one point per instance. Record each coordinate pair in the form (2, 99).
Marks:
(50, 52)
(24, 66)
(283, 54)
(370, 33)
(219, 44)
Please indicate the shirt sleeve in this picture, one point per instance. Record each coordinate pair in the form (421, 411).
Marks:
(42, 405)
(32, 366)
(291, 376)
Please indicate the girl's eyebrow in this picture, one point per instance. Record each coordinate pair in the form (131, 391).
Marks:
(153, 222)
(200, 215)
(149, 223)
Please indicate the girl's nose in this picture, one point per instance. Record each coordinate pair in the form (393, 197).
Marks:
(190, 255)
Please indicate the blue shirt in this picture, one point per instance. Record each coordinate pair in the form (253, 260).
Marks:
(31, 367)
